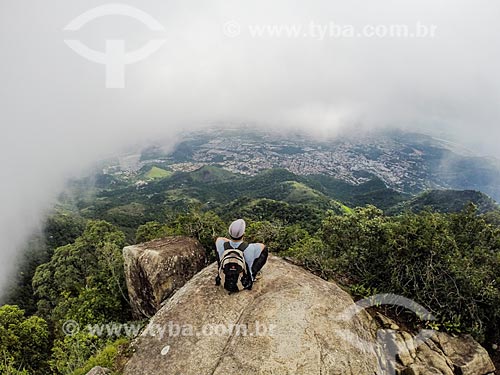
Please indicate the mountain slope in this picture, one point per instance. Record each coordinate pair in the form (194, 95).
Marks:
(447, 201)
(275, 194)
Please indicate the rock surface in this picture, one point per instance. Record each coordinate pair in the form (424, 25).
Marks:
(445, 354)
(442, 354)
(290, 323)
(155, 270)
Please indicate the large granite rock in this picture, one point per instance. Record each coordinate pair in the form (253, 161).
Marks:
(298, 308)
(155, 270)
(292, 322)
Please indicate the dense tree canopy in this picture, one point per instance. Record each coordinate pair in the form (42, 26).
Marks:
(23, 342)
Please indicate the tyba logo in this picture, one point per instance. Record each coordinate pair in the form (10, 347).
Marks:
(115, 57)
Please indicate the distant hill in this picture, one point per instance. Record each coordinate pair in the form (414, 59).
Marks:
(373, 192)
(447, 201)
(156, 172)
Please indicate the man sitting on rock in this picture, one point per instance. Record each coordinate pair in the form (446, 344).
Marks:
(255, 254)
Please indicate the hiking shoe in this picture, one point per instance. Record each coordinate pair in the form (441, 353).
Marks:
(258, 276)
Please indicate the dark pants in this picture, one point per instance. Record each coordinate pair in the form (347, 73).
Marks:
(260, 261)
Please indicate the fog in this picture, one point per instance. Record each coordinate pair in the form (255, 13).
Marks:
(58, 117)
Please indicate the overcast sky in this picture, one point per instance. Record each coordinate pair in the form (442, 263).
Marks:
(57, 116)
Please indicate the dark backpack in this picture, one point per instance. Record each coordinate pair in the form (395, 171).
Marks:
(233, 270)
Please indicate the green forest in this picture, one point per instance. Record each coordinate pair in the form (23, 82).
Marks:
(440, 248)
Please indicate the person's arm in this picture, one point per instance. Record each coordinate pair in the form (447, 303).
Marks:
(219, 248)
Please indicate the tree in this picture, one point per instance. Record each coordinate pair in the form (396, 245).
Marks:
(24, 342)
(93, 262)
(84, 281)
(204, 226)
(152, 230)
(63, 228)
(356, 243)
(277, 236)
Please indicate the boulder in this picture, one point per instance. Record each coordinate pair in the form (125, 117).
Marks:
(451, 355)
(287, 324)
(442, 354)
(155, 270)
